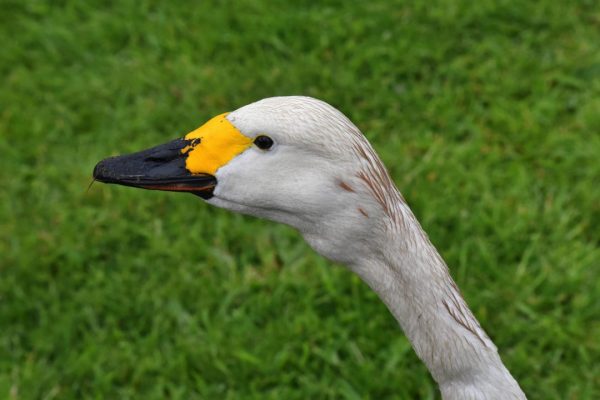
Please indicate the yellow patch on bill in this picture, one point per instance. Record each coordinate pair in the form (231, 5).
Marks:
(213, 145)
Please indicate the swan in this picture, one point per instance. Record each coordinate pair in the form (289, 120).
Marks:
(299, 161)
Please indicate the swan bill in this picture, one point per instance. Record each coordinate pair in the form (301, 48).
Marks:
(159, 168)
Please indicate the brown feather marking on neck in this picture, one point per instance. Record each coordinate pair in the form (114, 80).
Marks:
(345, 186)
(379, 182)
(462, 321)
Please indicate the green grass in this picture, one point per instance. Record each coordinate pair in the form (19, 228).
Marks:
(487, 114)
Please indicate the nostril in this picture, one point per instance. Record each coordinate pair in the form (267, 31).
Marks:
(168, 153)
(162, 158)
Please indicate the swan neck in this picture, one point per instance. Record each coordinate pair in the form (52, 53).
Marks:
(413, 281)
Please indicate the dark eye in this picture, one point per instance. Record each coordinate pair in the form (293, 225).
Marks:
(263, 142)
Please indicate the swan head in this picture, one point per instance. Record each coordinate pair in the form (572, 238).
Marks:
(294, 160)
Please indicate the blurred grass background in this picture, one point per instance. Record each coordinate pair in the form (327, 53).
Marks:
(487, 114)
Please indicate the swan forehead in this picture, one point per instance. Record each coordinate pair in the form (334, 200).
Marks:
(296, 120)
